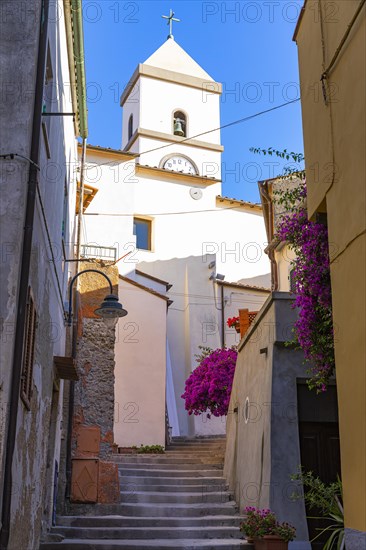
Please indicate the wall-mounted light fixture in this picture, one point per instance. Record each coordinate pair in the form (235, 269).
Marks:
(110, 309)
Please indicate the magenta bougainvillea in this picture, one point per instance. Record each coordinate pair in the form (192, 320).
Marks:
(314, 327)
(208, 388)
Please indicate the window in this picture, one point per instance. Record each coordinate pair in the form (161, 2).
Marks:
(130, 127)
(179, 124)
(142, 230)
(28, 350)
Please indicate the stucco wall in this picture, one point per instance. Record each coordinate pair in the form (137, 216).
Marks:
(140, 371)
(202, 228)
(334, 138)
(39, 429)
(194, 319)
(284, 256)
(262, 435)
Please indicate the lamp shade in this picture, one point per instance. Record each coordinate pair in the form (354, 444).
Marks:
(111, 308)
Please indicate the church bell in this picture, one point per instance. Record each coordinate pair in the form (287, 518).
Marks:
(178, 128)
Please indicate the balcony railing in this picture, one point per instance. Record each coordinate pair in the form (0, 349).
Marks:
(106, 253)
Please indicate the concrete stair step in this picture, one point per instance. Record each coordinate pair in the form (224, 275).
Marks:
(187, 544)
(122, 533)
(123, 521)
(174, 480)
(168, 466)
(155, 472)
(176, 510)
(177, 500)
(187, 454)
(198, 441)
(157, 510)
(166, 488)
(146, 497)
(166, 460)
(203, 449)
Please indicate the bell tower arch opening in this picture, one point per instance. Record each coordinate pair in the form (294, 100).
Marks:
(180, 123)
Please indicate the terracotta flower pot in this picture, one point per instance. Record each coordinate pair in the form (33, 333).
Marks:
(237, 327)
(270, 542)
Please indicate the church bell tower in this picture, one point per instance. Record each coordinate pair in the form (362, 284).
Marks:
(171, 109)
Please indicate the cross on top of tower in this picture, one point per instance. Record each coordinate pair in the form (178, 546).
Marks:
(170, 19)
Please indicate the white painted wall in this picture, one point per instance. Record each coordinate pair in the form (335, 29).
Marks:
(131, 107)
(194, 319)
(182, 226)
(140, 369)
(186, 234)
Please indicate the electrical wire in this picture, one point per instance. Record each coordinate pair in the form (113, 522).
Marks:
(238, 121)
(219, 209)
(198, 296)
(12, 155)
(53, 260)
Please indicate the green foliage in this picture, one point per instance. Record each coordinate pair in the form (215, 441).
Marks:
(150, 449)
(261, 522)
(328, 499)
(296, 157)
(288, 171)
(205, 352)
(290, 199)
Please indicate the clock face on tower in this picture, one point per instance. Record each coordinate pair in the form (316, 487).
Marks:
(178, 163)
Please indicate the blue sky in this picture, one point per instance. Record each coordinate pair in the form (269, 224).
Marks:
(247, 46)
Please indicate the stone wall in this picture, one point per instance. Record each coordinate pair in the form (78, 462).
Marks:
(94, 393)
(93, 478)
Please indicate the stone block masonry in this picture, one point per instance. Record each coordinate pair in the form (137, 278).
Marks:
(93, 418)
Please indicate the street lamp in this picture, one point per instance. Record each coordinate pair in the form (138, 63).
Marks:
(109, 310)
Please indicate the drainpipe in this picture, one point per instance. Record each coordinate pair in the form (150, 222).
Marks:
(74, 329)
(76, 35)
(223, 316)
(24, 278)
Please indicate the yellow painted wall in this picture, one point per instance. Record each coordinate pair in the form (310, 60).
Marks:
(334, 138)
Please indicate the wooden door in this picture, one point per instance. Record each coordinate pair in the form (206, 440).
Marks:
(319, 447)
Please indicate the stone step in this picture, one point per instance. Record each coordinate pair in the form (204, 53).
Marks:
(142, 485)
(203, 439)
(167, 466)
(191, 454)
(192, 447)
(122, 533)
(187, 544)
(156, 510)
(174, 480)
(174, 452)
(146, 497)
(123, 521)
(175, 510)
(168, 460)
(146, 472)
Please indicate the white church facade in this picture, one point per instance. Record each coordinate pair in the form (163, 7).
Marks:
(188, 256)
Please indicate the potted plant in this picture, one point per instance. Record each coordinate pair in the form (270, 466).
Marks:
(263, 528)
(233, 322)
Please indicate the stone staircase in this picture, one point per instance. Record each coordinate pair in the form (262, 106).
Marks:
(176, 500)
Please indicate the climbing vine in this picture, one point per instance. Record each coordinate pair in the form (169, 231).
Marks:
(313, 331)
